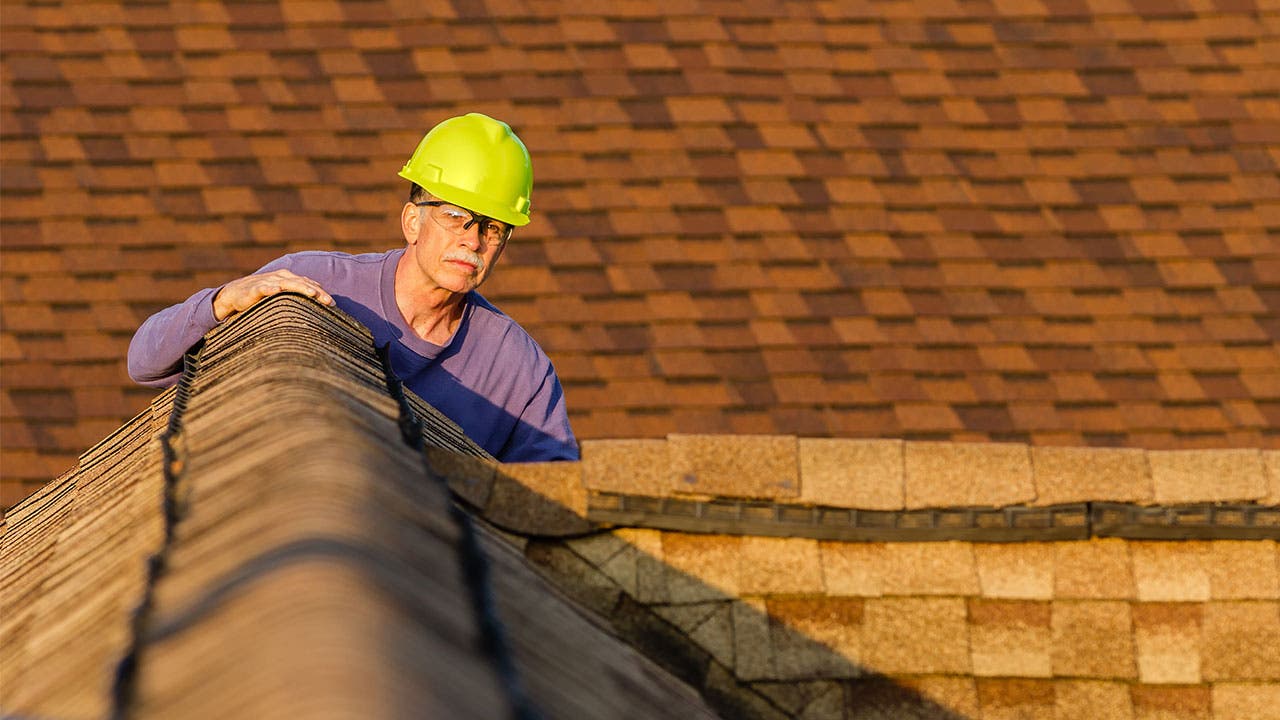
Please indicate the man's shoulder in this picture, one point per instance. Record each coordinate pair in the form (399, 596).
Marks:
(331, 266)
(331, 258)
(499, 327)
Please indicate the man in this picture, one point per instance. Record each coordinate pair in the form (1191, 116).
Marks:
(471, 181)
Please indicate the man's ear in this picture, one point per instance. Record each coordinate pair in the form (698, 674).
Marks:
(410, 222)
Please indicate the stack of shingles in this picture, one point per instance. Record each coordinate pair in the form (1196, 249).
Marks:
(312, 568)
(72, 569)
(306, 539)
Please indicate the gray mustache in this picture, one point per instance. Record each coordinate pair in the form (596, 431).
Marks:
(467, 258)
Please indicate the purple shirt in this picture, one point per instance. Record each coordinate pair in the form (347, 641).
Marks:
(491, 378)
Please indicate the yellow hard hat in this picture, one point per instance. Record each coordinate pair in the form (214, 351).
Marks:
(475, 162)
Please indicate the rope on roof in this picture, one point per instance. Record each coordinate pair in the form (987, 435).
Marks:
(124, 682)
(475, 566)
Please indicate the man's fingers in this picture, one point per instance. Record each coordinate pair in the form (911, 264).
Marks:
(301, 285)
(307, 287)
(240, 295)
(279, 281)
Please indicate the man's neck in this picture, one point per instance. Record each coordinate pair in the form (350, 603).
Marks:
(433, 313)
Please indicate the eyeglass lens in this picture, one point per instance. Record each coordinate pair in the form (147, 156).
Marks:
(458, 221)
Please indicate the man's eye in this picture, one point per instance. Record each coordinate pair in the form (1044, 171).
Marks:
(454, 213)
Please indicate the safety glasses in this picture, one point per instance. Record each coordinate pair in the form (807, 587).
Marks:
(459, 220)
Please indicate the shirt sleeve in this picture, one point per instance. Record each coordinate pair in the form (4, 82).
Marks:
(156, 350)
(542, 432)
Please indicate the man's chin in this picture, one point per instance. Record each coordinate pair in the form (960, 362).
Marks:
(461, 282)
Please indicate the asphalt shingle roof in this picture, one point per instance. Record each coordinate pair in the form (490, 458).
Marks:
(1046, 222)
(268, 536)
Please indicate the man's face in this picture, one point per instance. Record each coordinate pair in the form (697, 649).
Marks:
(448, 253)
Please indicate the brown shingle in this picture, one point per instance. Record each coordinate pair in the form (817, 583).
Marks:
(1192, 703)
(1010, 638)
(1093, 698)
(1167, 638)
(816, 637)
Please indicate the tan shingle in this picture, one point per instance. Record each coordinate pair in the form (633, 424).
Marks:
(942, 474)
(538, 498)
(794, 697)
(779, 565)
(1015, 697)
(628, 466)
(853, 569)
(851, 473)
(1154, 701)
(707, 624)
(701, 567)
(1260, 701)
(1171, 572)
(471, 478)
(734, 465)
(1271, 460)
(956, 694)
(916, 635)
(1092, 639)
(1022, 570)
(1065, 475)
(1187, 476)
(1244, 570)
(628, 557)
(645, 559)
(598, 549)
(929, 568)
(1241, 640)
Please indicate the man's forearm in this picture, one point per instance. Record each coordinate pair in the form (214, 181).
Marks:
(155, 353)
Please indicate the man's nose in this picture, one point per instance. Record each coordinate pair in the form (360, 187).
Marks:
(470, 237)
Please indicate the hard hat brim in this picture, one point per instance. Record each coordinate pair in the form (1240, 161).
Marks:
(469, 200)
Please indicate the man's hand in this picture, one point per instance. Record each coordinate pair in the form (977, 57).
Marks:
(241, 294)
